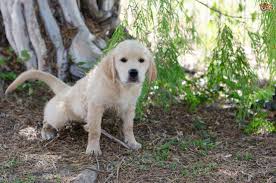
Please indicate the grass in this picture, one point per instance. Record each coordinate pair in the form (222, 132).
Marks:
(13, 162)
(27, 179)
(201, 146)
(9, 166)
(198, 169)
(163, 151)
(58, 179)
(247, 156)
(164, 156)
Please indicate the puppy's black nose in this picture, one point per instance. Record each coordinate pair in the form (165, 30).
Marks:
(133, 73)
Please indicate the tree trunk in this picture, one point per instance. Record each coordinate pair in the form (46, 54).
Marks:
(62, 37)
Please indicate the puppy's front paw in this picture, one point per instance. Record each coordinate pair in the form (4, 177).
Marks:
(134, 145)
(93, 150)
(48, 133)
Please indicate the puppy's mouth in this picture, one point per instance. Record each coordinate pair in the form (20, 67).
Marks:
(133, 80)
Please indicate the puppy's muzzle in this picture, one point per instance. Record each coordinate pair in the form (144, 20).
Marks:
(133, 75)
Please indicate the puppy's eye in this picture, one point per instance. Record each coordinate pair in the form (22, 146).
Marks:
(141, 60)
(123, 59)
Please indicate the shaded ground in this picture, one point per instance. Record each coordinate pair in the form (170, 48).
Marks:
(178, 146)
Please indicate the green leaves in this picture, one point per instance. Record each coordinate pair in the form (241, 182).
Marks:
(170, 31)
(119, 35)
(9, 76)
(159, 24)
(2, 60)
(230, 70)
(24, 56)
(269, 32)
(259, 125)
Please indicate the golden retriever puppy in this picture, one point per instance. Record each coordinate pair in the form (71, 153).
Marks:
(116, 82)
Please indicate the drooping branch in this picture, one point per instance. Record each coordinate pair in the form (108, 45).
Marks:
(218, 11)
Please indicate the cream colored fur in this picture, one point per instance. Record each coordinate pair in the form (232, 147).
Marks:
(107, 85)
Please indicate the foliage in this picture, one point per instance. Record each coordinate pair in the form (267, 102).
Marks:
(24, 56)
(229, 71)
(159, 25)
(269, 34)
(259, 125)
(9, 75)
(229, 75)
(4, 60)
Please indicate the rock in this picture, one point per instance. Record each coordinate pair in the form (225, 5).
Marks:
(86, 176)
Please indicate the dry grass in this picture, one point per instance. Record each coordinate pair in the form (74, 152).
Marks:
(178, 146)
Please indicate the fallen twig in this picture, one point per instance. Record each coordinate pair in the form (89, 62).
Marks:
(118, 169)
(109, 177)
(114, 138)
(56, 137)
(98, 164)
(97, 170)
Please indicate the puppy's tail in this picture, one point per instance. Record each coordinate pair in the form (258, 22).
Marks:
(54, 83)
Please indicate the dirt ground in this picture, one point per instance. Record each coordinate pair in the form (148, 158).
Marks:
(206, 145)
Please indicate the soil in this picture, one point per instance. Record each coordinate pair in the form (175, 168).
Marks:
(205, 145)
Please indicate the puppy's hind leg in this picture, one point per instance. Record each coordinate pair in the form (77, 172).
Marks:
(54, 118)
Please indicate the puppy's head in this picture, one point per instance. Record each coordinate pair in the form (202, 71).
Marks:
(130, 62)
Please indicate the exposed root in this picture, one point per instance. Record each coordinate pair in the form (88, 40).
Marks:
(53, 32)
(34, 35)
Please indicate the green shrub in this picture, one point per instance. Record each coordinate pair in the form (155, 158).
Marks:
(229, 72)
(259, 125)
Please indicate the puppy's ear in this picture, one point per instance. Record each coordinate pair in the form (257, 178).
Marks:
(152, 72)
(109, 67)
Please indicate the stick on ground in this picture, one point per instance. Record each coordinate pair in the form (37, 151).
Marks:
(114, 138)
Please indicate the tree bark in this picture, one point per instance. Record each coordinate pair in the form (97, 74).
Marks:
(59, 36)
